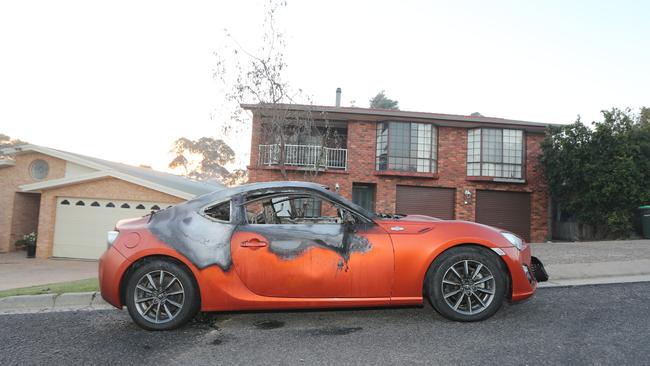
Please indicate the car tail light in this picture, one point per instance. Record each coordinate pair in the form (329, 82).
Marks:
(110, 237)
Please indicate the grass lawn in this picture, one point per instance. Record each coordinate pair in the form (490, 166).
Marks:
(90, 284)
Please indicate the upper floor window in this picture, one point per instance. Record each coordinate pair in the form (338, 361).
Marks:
(407, 146)
(493, 152)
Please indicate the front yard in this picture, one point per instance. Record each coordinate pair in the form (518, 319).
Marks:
(87, 285)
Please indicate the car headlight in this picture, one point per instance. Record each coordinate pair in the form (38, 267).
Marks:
(514, 240)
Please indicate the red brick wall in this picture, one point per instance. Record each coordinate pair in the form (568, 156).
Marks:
(452, 157)
(25, 215)
(10, 180)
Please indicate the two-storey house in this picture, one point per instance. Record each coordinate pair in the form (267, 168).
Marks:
(472, 168)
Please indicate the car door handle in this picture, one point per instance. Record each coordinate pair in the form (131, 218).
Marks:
(253, 243)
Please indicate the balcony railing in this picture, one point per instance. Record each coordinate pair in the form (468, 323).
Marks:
(304, 156)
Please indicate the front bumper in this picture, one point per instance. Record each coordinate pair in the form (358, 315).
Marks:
(538, 269)
(525, 272)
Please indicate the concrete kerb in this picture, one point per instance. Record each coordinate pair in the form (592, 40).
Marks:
(27, 302)
(568, 282)
(52, 302)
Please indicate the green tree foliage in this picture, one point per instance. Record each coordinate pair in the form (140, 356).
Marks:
(600, 175)
(380, 101)
(205, 159)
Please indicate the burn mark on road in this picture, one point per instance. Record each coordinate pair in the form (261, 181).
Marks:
(332, 331)
(268, 324)
(221, 339)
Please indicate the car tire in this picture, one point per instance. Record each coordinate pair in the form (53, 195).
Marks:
(161, 295)
(463, 273)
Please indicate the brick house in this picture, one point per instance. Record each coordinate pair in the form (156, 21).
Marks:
(472, 168)
(72, 200)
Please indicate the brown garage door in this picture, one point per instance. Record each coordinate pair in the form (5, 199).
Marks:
(504, 210)
(436, 202)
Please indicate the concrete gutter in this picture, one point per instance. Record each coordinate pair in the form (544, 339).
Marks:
(52, 302)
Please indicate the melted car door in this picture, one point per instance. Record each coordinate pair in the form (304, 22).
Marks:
(314, 260)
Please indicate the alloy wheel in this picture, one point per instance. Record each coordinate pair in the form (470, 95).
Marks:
(468, 287)
(159, 296)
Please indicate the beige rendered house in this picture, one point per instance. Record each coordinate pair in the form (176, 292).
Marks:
(72, 200)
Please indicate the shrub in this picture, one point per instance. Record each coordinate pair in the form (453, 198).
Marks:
(600, 175)
(28, 240)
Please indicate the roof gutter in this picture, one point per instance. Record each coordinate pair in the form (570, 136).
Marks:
(366, 114)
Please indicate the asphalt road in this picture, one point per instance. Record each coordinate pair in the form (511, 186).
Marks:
(603, 324)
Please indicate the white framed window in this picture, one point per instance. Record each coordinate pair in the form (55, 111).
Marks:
(407, 146)
(493, 152)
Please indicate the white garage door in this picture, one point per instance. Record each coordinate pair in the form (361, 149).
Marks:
(82, 223)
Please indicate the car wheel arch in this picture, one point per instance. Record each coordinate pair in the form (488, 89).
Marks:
(140, 261)
(482, 247)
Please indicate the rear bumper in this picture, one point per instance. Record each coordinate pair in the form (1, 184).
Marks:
(112, 266)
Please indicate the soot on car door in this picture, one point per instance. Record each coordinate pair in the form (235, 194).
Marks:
(298, 245)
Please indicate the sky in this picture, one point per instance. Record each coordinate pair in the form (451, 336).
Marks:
(121, 80)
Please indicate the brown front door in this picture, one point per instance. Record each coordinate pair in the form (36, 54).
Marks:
(505, 210)
(430, 201)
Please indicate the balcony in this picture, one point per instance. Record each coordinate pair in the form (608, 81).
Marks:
(310, 156)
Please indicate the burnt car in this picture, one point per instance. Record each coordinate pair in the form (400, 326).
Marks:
(291, 245)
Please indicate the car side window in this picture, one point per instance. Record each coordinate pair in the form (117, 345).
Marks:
(220, 211)
(292, 209)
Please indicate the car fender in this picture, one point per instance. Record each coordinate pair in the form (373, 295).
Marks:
(414, 254)
(148, 247)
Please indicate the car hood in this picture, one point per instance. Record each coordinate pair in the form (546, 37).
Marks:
(408, 224)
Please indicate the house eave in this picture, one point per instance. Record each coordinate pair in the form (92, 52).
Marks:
(102, 172)
(62, 182)
(85, 178)
(6, 163)
(367, 114)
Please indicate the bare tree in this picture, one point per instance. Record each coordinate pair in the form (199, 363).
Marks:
(260, 80)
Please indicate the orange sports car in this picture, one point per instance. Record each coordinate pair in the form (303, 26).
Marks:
(290, 245)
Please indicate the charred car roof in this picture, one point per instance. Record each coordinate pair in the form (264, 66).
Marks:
(278, 187)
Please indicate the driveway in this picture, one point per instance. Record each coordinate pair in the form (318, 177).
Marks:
(17, 271)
